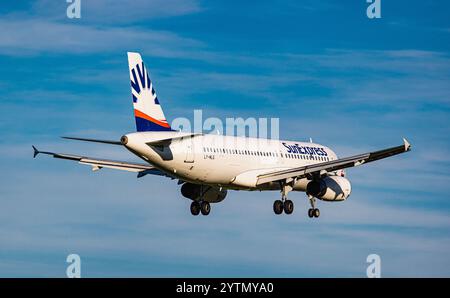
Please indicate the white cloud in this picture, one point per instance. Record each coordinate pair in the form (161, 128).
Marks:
(62, 206)
(34, 36)
(117, 11)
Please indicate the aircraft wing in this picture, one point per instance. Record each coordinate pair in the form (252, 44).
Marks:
(97, 164)
(331, 166)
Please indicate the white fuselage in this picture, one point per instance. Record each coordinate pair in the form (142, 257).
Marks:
(225, 161)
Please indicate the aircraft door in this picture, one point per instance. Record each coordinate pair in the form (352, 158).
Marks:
(189, 147)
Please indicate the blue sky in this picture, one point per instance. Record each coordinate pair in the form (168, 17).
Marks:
(322, 67)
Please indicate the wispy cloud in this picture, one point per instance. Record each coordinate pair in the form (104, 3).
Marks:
(117, 12)
(146, 233)
(25, 37)
(105, 26)
(62, 76)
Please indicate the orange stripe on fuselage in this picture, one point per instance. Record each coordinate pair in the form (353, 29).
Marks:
(147, 117)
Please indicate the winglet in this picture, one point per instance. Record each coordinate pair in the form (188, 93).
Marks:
(36, 152)
(407, 144)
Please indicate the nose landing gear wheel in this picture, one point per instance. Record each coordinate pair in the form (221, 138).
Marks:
(313, 212)
(288, 207)
(278, 207)
(316, 212)
(205, 208)
(195, 208)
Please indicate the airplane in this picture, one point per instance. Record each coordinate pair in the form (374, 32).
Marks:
(208, 165)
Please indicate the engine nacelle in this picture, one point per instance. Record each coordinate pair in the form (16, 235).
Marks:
(330, 188)
(208, 193)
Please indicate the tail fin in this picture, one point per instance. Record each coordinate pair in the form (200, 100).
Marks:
(147, 110)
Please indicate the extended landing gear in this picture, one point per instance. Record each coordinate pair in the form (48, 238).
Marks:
(203, 207)
(195, 208)
(313, 211)
(278, 207)
(284, 204)
(287, 206)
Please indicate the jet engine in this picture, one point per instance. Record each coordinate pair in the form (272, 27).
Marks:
(330, 188)
(206, 193)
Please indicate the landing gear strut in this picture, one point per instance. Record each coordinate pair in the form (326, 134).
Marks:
(313, 211)
(202, 206)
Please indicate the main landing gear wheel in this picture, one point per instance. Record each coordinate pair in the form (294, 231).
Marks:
(284, 204)
(288, 207)
(313, 212)
(195, 208)
(205, 207)
(278, 207)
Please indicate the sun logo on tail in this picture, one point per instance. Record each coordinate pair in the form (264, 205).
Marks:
(147, 109)
(141, 85)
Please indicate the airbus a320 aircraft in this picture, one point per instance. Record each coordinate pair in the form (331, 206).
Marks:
(207, 165)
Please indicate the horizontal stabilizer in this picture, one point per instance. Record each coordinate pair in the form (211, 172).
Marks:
(169, 140)
(36, 152)
(98, 164)
(94, 140)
